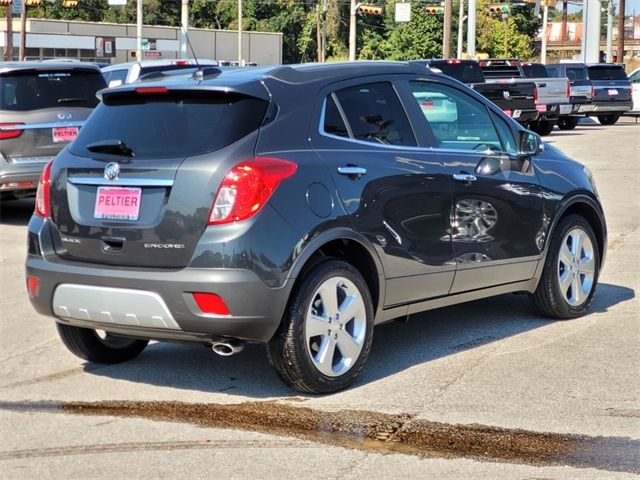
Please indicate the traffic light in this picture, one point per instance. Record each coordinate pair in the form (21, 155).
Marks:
(499, 9)
(69, 3)
(5, 3)
(435, 10)
(32, 3)
(370, 10)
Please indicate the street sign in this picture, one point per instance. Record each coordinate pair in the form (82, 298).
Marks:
(403, 12)
(105, 47)
(16, 7)
(117, 2)
(152, 54)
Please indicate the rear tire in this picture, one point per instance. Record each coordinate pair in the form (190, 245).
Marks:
(326, 333)
(570, 272)
(543, 127)
(609, 119)
(88, 345)
(568, 123)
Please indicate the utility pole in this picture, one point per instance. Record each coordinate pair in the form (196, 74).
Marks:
(506, 35)
(138, 30)
(545, 20)
(446, 37)
(184, 27)
(461, 18)
(609, 31)
(352, 31)
(620, 58)
(22, 52)
(563, 32)
(9, 43)
(239, 33)
(471, 29)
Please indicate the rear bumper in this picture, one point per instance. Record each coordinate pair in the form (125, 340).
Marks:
(608, 107)
(152, 303)
(525, 116)
(12, 174)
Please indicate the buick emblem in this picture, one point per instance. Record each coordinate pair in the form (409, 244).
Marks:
(64, 116)
(506, 94)
(111, 171)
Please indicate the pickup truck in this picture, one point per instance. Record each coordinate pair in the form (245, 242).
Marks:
(516, 100)
(612, 92)
(582, 91)
(551, 92)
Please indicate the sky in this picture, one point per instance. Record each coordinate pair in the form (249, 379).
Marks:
(629, 6)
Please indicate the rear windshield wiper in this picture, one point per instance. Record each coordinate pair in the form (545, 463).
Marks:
(71, 99)
(112, 147)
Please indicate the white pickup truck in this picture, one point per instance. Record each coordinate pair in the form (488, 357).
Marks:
(552, 94)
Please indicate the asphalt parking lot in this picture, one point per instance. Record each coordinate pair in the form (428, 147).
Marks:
(482, 390)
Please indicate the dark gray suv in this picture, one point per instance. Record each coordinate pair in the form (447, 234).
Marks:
(42, 107)
(299, 206)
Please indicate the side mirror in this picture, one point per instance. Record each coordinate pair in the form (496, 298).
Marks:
(529, 144)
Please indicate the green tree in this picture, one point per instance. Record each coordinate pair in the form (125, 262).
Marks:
(419, 38)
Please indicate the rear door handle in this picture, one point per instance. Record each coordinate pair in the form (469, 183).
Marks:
(464, 177)
(352, 171)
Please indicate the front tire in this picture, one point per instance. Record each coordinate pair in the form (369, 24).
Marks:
(609, 119)
(568, 123)
(326, 333)
(108, 349)
(570, 272)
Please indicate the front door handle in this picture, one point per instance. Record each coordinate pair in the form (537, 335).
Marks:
(464, 177)
(352, 171)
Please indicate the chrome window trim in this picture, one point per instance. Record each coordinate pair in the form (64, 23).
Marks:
(121, 182)
(35, 126)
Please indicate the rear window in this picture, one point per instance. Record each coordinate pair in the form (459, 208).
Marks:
(23, 91)
(176, 125)
(607, 73)
(465, 72)
(536, 70)
(576, 73)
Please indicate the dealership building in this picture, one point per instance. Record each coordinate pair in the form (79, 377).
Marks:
(116, 43)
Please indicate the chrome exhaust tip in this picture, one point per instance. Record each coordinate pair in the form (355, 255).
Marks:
(228, 347)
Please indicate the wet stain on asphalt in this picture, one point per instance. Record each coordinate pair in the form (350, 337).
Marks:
(370, 431)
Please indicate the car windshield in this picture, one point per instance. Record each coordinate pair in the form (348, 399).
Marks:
(465, 72)
(170, 125)
(33, 90)
(535, 70)
(607, 73)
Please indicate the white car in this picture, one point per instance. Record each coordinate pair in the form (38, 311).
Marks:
(634, 78)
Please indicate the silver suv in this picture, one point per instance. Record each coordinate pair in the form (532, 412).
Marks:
(42, 107)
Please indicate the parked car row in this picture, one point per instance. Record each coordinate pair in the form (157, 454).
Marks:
(548, 95)
(298, 206)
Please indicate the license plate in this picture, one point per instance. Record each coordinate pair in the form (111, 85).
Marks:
(613, 91)
(118, 203)
(64, 134)
(517, 113)
(541, 108)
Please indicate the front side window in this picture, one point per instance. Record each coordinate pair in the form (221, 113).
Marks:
(373, 113)
(456, 120)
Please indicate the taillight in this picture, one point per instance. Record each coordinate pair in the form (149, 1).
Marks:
(454, 62)
(10, 130)
(211, 303)
(593, 91)
(568, 89)
(43, 194)
(535, 95)
(247, 188)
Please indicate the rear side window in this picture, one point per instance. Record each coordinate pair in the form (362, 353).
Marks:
(537, 70)
(24, 91)
(116, 77)
(374, 114)
(465, 72)
(576, 74)
(607, 73)
(174, 125)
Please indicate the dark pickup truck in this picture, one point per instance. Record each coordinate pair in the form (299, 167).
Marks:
(580, 100)
(516, 100)
(551, 93)
(612, 92)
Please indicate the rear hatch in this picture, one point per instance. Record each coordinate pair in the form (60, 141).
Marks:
(610, 83)
(137, 185)
(509, 96)
(43, 109)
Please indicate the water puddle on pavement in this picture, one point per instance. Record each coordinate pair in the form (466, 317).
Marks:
(379, 432)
